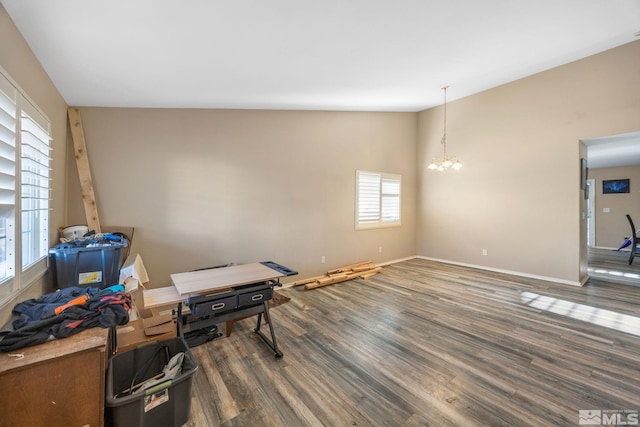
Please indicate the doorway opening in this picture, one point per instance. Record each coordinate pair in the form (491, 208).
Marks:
(603, 235)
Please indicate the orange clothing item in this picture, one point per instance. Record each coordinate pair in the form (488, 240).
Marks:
(81, 300)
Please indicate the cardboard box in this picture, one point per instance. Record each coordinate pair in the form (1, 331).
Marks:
(145, 324)
(133, 333)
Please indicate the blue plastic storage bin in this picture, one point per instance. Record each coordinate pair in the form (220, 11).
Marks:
(96, 265)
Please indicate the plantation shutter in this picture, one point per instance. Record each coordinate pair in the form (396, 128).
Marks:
(8, 124)
(368, 197)
(35, 184)
(390, 200)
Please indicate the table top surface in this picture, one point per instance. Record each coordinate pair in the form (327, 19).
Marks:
(92, 339)
(202, 281)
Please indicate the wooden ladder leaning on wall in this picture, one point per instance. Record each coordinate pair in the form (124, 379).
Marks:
(84, 172)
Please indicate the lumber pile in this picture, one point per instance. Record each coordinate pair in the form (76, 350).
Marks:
(361, 270)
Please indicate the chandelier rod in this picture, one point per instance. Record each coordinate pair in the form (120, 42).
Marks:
(445, 163)
(444, 134)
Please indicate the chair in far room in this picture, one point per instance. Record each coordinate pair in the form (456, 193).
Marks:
(633, 240)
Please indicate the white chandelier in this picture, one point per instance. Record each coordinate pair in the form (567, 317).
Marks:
(445, 163)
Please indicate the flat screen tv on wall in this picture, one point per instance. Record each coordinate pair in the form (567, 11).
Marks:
(615, 186)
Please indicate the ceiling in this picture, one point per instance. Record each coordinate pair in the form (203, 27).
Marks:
(614, 150)
(366, 55)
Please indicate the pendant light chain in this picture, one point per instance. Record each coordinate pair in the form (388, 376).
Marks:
(445, 163)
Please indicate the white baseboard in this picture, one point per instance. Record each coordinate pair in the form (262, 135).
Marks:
(395, 261)
(498, 270)
(480, 267)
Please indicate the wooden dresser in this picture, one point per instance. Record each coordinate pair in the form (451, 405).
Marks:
(58, 383)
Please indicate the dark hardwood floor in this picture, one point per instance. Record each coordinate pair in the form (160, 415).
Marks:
(428, 344)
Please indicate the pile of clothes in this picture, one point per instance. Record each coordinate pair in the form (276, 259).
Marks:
(64, 313)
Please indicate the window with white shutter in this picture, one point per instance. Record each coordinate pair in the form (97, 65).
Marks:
(377, 200)
(25, 189)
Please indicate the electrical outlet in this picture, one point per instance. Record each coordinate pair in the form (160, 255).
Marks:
(380, 249)
(322, 259)
(484, 252)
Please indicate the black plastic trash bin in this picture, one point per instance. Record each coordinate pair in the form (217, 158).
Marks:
(166, 404)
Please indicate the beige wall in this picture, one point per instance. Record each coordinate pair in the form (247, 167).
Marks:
(204, 187)
(518, 194)
(612, 227)
(19, 62)
(209, 187)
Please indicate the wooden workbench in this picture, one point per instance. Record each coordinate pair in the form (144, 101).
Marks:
(221, 295)
(214, 280)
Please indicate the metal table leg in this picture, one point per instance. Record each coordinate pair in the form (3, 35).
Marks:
(272, 344)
